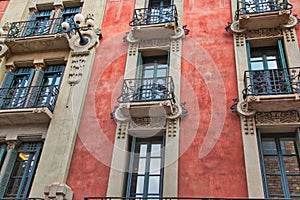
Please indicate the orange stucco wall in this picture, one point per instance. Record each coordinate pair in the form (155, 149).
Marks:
(3, 6)
(211, 162)
(296, 11)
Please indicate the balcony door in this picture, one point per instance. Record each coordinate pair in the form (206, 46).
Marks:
(259, 6)
(268, 71)
(153, 78)
(15, 88)
(160, 11)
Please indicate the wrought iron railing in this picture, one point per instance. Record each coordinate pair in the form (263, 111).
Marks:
(261, 6)
(35, 28)
(148, 16)
(21, 199)
(271, 82)
(148, 89)
(28, 97)
(161, 198)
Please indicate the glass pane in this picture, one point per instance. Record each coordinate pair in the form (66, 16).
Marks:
(291, 165)
(140, 184)
(19, 168)
(148, 74)
(14, 186)
(153, 184)
(269, 147)
(256, 59)
(288, 147)
(142, 166)
(271, 57)
(257, 66)
(155, 150)
(294, 184)
(274, 185)
(155, 166)
(271, 165)
(161, 72)
(143, 150)
(272, 65)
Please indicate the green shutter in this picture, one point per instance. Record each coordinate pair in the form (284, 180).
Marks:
(5, 85)
(284, 66)
(34, 91)
(139, 67)
(8, 168)
(130, 168)
(2, 154)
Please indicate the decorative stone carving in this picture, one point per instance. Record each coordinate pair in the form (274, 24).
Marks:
(291, 23)
(289, 35)
(148, 122)
(248, 124)
(175, 46)
(13, 144)
(3, 48)
(277, 117)
(92, 37)
(243, 108)
(240, 39)
(77, 68)
(58, 191)
(172, 127)
(132, 49)
(122, 129)
(154, 43)
(179, 33)
(263, 32)
(235, 28)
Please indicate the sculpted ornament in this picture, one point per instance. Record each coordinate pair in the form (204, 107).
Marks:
(243, 108)
(277, 117)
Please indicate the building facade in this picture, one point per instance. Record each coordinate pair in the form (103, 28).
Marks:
(147, 111)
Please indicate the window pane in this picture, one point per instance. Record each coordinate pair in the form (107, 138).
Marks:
(143, 150)
(19, 168)
(14, 186)
(153, 184)
(271, 165)
(291, 165)
(288, 147)
(155, 166)
(257, 66)
(294, 184)
(272, 65)
(142, 166)
(269, 147)
(155, 150)
(140, 184)
(148, 74)
(162, 72)
(274, 185)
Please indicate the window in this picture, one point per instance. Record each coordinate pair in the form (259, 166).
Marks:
(2, 153)
(145, 177)
(279, 154)
(38, 23)
(21, 169)
(153, 74)
(68, 16)
(259, 6)
(268, 71)
(18, 90)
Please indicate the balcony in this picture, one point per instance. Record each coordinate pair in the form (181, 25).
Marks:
(255, 14)
(154, 23)
(27, 104)
(274, 89)
(36, 35)
(147, 97)
(164, 198)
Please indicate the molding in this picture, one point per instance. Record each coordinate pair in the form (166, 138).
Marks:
(276, 117)
(264, 32)
(235, 28)
(242, 108)
(291, 23)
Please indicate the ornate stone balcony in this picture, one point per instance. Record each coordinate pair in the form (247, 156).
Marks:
(27, 104)
(154, 23)
(256, 14)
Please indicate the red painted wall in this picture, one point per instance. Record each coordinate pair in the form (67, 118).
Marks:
(212, 165)
(296, 10)
(3, 6)
(89, 169)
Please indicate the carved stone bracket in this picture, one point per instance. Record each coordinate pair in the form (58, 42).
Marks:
(243, 108)
(248, 124)
(92, 37)
(291, 23)
(235, 28)
(58, 191)
(3, 48)
(13, 144)
(276, 117)
(179, 34)
(264, 32)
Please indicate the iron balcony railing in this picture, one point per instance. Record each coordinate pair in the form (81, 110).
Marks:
(28, 97)
(147, 89)
(163, 198)
(271, 82)
(21, 198)
(148, 16)
(35, 28)
(261, 6)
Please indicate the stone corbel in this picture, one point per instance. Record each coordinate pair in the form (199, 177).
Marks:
(58, 191)
(179, 34)
(39, 65)
(131, 39)
(176, 113)
(12, 143)
(92, 37)
(235, 28)
(292, 22)
(242, 109)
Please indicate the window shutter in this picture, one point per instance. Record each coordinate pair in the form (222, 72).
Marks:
(139, 72)
(34, 91)
(5, 86)
(2, 154)
(8, 168)
(29, 25)
(284, 66)
(130, 169)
